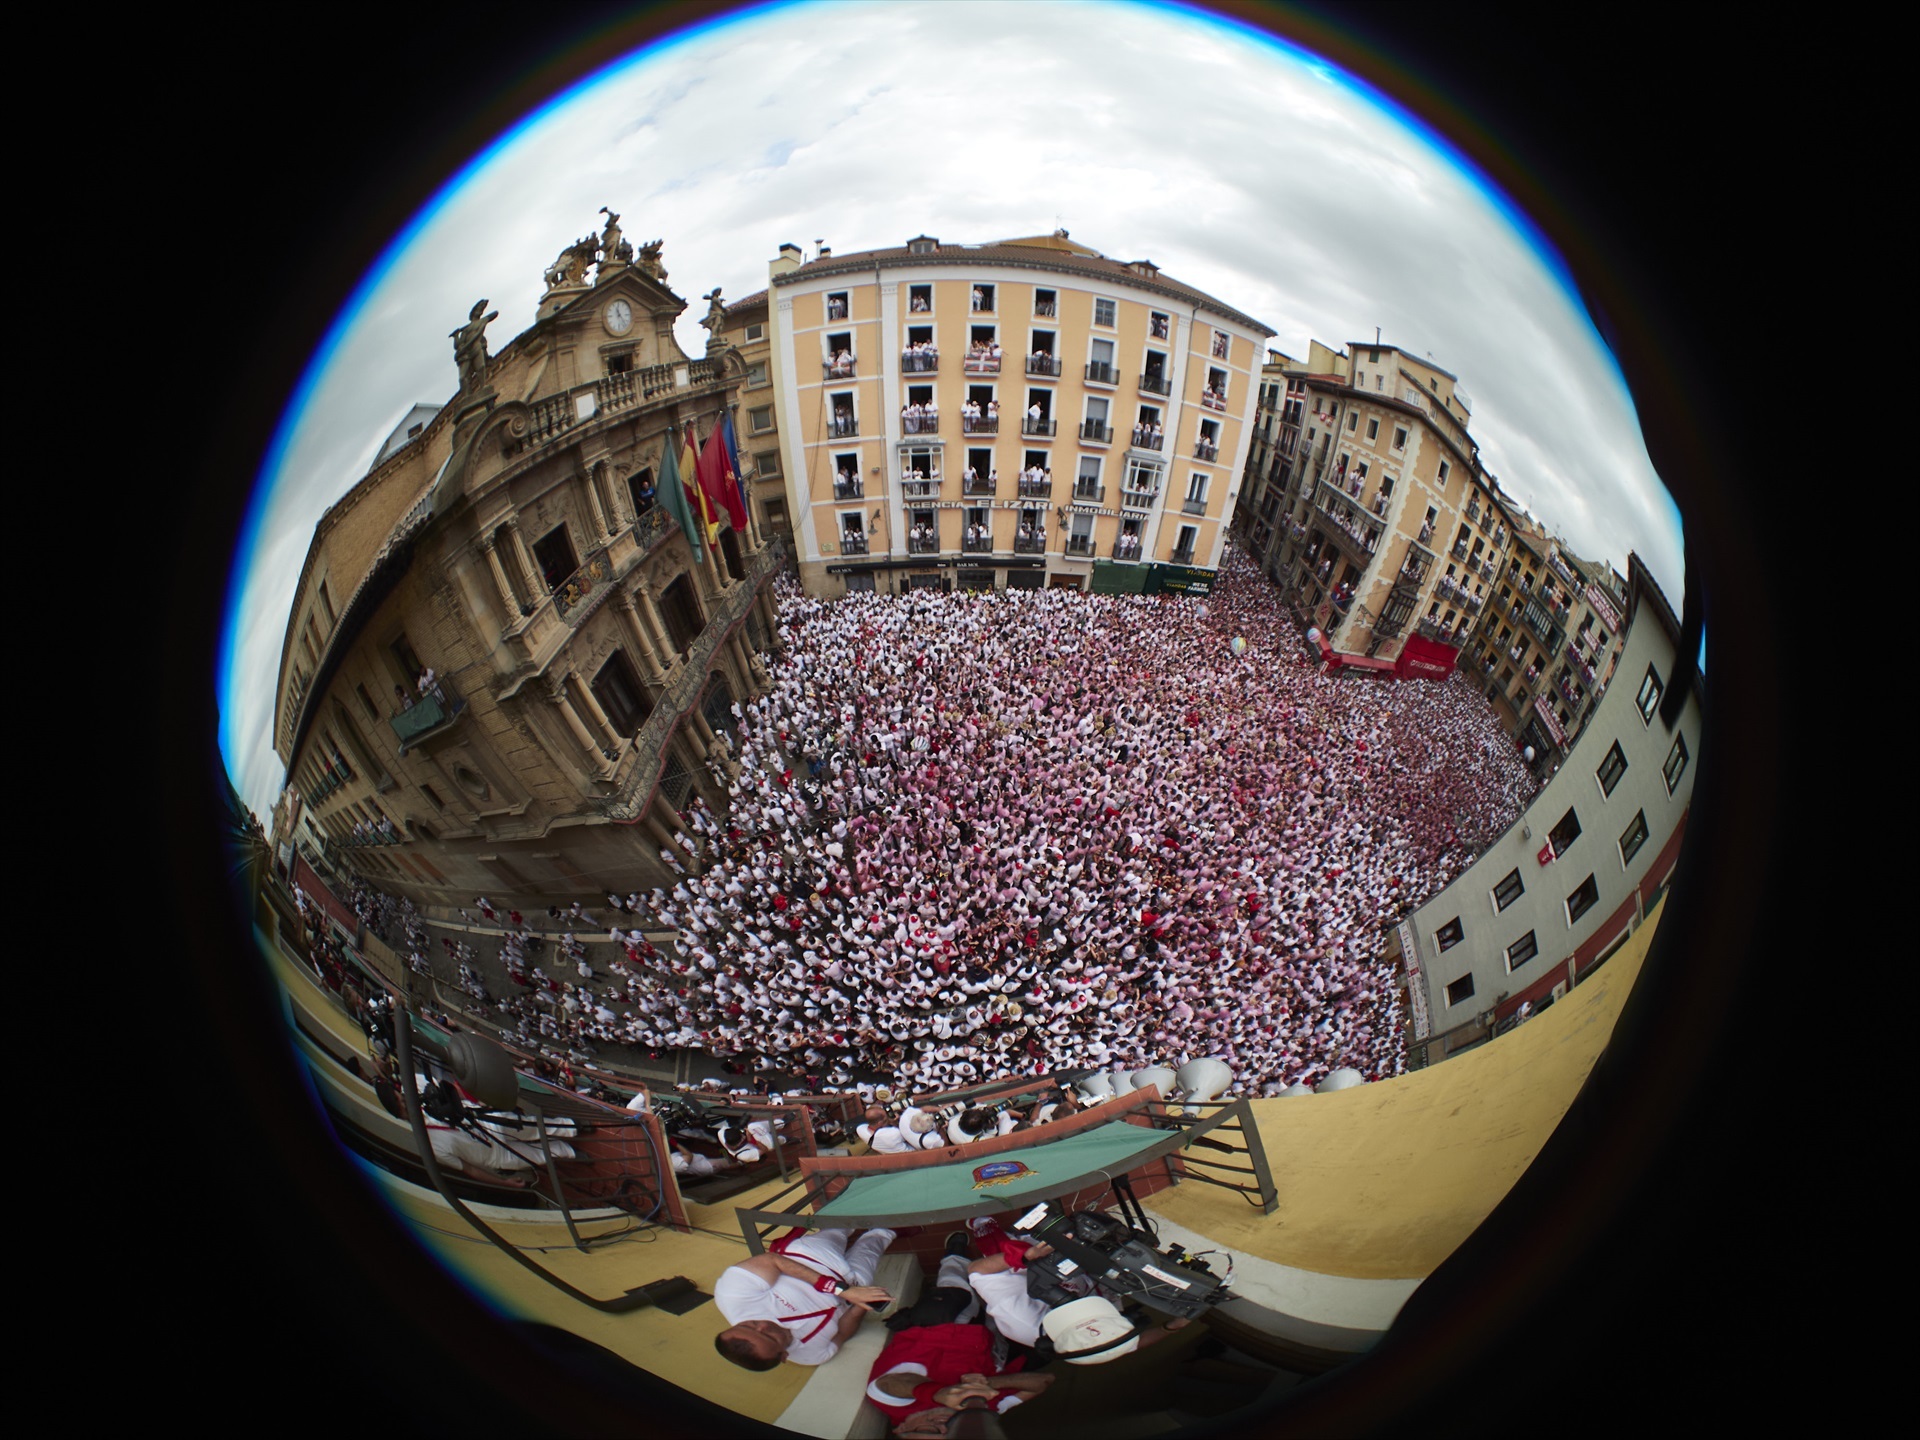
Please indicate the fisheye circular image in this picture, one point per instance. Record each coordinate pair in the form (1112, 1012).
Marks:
(956, 720)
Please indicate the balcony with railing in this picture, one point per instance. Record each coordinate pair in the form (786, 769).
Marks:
(1035, 489)
(1099, 373)
(1148, 437)
(842, 367)
(980, 362)
(1418, 564)
(1194, 505)
(919, 362)
(1046, 309)
(1138, 499)
(364, 835)
(1044, 367)
(1473, 512)
(921, 489)
(1185, 557)
(855, 489)
(978, 485)
(1155, 383)
(429, 715)
(1126, 547)
(1080, 545)
(977, 544)
(1351, 526)
(1042, 429)
(1205, 450)
(923, 544)
(842, 427)
(979, 424)
(852, 542)
(1086, 493)
(572, 593)
(559, 413)
(1459, 550)
(1096, 431)
(927, 422)
(331, 779)
(1213, 399)
(1438, 630)
(1030, 540)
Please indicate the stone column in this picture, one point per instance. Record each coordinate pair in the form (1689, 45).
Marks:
(507, 598)
(636, 627)
(598, 713)
(668, 816)
(601, 528)
(648, 608)
(750, 666)
(557, 692)
(527, 571)
(617, 500)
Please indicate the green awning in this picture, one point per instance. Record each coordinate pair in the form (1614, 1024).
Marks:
(1036, 1171)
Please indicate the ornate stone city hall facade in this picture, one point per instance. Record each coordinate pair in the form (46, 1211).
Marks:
(583, 659)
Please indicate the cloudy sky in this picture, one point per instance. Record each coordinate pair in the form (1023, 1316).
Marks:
(1263, 176)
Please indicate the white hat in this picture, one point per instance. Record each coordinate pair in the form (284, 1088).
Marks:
(1087, 1325)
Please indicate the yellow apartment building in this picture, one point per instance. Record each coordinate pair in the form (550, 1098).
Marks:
(1018, 414)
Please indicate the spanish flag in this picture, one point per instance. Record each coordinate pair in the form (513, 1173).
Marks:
(690, 472)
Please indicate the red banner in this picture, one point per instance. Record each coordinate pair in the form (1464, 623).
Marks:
(1424, 659)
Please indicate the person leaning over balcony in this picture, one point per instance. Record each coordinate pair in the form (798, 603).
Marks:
(405, 700)
(801, 1300)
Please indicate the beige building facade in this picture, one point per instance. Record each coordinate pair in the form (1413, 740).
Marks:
(1023, 413)
(505, 669)
(1556, 896)
(748, 332)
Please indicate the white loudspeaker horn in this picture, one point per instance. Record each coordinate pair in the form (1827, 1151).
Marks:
(1203, 1079)
(1097, 1086)
(1345, 1078)
(1158, 1075)
(1122, 1080)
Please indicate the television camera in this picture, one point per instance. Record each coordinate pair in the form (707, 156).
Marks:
(1116, 1257)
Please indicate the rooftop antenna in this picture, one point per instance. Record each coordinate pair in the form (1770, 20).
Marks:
(1376, 334)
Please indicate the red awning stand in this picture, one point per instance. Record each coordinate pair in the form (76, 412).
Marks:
(1424, 659)
(1420, 659)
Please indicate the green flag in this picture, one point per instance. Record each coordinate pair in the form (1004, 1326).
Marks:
(673, 496)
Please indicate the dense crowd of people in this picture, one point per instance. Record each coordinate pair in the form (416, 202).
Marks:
(984, 835)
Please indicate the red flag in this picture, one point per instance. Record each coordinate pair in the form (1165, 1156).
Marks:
(717, 481)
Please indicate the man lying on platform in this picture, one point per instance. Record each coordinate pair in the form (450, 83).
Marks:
(801, 1300)
(940, 1360)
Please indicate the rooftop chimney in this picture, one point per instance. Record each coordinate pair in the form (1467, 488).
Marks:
(787, 259)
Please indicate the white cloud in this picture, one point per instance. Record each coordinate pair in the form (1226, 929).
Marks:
(1238, 167)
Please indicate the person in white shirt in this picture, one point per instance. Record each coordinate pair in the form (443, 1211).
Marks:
(801, 1300)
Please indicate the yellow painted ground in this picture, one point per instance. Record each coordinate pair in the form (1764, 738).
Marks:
(1384, 1181)
(678, 1348)
(1381, 1181)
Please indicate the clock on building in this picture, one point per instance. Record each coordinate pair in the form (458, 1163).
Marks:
(619, 317)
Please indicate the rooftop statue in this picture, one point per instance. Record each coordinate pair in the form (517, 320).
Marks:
(716, 317)
(650, 260)
(470, 346)
(614, 249)
(571, 267)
